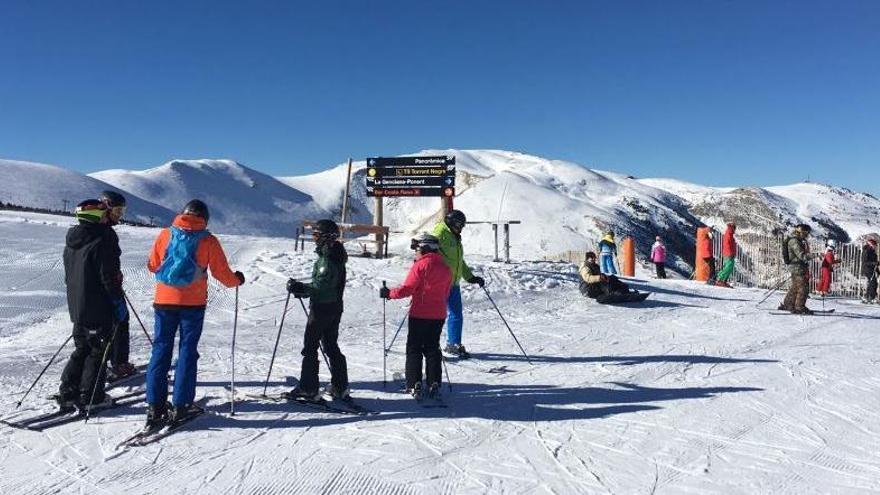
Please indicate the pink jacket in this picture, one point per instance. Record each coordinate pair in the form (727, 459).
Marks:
(658, 253)
(428, 282)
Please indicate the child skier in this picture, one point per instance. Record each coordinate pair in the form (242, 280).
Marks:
(180, 258)
(828, 262)
(428, 283)
(325, 311)
(658, 257)
(607, 252)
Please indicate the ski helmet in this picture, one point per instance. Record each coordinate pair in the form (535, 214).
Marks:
(198, 208)
(803, 228)
(325, 230)
(112, 199)
(455, 219)
(90, 210)
(831, 243)
(425, 242)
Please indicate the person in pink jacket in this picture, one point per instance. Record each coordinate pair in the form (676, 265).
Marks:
(428, 283)
(658, 257)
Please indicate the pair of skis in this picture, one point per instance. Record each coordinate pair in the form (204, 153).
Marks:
(339, 406)
(815, 312)
(68, 415)
(148, 436)
(435, 402)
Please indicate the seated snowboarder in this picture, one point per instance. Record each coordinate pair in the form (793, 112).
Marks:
(595, 284)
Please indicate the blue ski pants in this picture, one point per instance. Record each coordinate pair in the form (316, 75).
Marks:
(168, 321)
(454, 316)
(607, 266)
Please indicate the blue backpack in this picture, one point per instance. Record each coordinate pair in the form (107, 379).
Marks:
(179, 268)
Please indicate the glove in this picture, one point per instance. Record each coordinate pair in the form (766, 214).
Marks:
(296, 288)
(385, 293)
(477, 280)
(240, 277)
(120, 310)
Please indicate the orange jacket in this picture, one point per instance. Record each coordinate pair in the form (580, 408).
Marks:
(209, 254)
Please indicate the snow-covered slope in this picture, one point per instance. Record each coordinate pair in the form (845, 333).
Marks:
(39, 185)
(696, 390)
(241, 200)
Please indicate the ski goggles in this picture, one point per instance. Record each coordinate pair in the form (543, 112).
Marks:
(93, 213)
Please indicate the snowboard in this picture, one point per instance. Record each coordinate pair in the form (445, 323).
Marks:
(622, 298)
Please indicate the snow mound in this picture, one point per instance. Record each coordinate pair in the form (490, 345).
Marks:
(46, 186)
(241, 200)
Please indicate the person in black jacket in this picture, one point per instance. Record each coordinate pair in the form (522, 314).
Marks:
(594, 283)
(869, 269)
(94, 299)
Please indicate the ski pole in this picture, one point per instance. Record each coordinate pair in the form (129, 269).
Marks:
(445, 368)
(277, 339)
(505, 324)
(51, 360)
(146, 334)
(770, 293)
(98, 377)
(396, 334)
(384, 347)
(320, 346)
(234, 330)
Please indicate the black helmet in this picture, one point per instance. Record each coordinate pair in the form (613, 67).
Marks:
(198, 208)
(112, 198)
(455, 220)
(325, 230)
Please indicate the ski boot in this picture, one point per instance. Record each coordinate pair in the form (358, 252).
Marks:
(415, 391)
(120, 371)
(157, 416)
(336, 394)
(300, 394)
(722, 283)
(102, 402)
(457, 350)
(802, 311)
(67, 402)
(181, 414)
(434, 391)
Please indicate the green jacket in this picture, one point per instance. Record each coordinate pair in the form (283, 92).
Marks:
(453, 253)
(328, 276)
(798, 257)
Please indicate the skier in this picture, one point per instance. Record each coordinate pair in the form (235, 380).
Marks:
(120, 367)
(607, 252)
(707, 254)
(869, 269)
(94, 299)
(428, 283)
(448, 233)
(796, 256)
(658, 257)
(180, 258)
(728, 254)
(594, 283)
(322, 328)
(828, 262)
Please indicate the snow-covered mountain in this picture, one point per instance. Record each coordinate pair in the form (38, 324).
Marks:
(241, 200)
(39, 185)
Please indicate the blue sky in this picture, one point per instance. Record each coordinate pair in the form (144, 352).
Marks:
(714, 92)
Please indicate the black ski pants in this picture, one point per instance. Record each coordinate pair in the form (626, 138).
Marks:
(84, 368)
(423, 340)
(871, 289)
(661, 270)
(322, 329)
(119, 350)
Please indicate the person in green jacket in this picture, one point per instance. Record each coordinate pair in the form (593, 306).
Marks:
(448, 232)
(325, 311)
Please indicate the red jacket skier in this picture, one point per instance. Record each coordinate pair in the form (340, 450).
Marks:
(828, 262)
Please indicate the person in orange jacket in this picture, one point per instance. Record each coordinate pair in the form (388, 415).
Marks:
(181, 257)
(706, 253)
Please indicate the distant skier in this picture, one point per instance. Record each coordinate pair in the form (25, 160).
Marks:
(448, 232)
(658, 257)
(796, 254)
(828, 262)
(607, 252)
(94, 299)
(180, 258)
(595, 284)
(728, 253)
(869, 269)
(428, 283)
(707, 254)
(120, 367)
(325, 311)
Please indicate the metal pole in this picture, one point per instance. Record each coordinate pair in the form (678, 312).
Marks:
(505, 324)
(234, 331)
(388, 349)
(146, 334)
(277, 339)
(44, 370)
(98, 375)
(320, 346)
